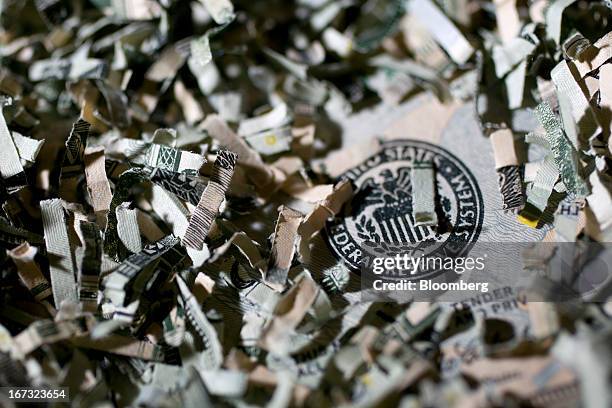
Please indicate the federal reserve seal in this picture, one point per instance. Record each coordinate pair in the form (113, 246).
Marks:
(379, 218)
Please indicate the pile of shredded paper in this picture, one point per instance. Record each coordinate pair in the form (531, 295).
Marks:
(168, 169)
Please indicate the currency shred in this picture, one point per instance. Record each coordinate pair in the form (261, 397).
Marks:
(177, 178)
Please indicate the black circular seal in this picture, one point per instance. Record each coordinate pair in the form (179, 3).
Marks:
(380, 214)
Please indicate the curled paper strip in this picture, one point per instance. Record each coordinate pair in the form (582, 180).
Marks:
(423, 191)
(210, 201)
(61, 265)
(29, 272)
(283, 247)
